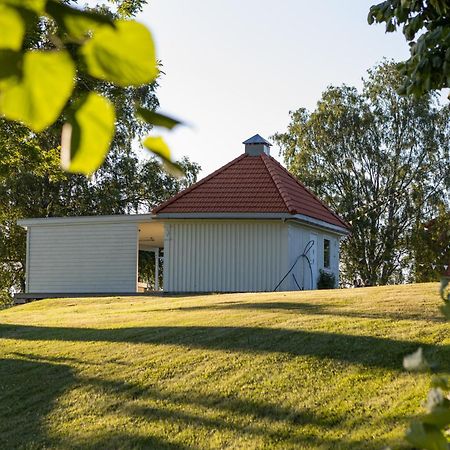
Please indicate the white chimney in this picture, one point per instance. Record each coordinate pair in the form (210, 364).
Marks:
(256, 146)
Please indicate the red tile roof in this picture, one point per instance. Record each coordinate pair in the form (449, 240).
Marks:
(250, 184)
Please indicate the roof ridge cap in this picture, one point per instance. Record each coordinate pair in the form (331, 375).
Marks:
(197, 184)
(310, 192)
(282, 194)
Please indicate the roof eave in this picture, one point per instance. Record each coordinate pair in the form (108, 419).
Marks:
(321, 224)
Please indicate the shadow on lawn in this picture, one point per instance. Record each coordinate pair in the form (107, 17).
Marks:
(24, 416)
(368, 351)
(28, 390)
(329, 309)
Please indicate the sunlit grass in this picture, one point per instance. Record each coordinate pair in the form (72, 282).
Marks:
(279, 370)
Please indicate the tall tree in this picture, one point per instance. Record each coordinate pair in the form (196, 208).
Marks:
(380, 160)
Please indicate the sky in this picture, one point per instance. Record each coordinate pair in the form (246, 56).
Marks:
(234, 68)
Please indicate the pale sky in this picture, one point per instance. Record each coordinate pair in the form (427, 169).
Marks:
(234, 68)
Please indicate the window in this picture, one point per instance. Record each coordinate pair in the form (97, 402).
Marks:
(326, 253)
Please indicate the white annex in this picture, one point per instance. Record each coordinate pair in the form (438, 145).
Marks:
(248, 227)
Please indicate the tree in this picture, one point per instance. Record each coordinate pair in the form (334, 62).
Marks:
(380, 160)
(430, 242)
(71, 67)
(32, 183)
(426, 26)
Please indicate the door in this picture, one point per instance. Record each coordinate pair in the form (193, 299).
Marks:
(312, 255)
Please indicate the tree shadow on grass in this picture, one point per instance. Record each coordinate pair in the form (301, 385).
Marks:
(321, 309)
(28, 390)
(369, 351)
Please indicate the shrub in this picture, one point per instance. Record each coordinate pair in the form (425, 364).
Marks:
(326, 280)
(5, 299)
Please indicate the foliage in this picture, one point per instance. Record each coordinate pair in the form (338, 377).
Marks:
(380, 160)
(299, 370)
(430, 242)
(146, 267)
(52, 57)
(426, 26)
(32, 184)
(327, 280)
(428, 431)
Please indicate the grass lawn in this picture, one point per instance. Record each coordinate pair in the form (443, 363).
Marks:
(318, 370)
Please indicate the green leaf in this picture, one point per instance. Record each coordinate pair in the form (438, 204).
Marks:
(88, 134)
(157, 119)
(158, 146)
(425, 436)
(124, 55)
(38, 97)
(33, 5)
(445, 309)
(444, 283)
(439, 381)
(439, 416)
(10, 67)
(75, 22)
(12, 28)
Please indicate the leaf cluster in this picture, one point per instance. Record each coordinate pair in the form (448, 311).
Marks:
(426, 26)
(428, 431)
(56, 79)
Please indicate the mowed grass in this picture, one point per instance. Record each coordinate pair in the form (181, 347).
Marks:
(318, 370)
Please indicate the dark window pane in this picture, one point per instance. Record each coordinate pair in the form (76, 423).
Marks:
(326, 253)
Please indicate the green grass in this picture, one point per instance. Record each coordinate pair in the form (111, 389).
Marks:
(306, 370)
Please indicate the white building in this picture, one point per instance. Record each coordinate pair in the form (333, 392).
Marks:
(249, 226)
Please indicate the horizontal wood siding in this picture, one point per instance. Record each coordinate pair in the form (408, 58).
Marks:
(82, 258)
(224, 256)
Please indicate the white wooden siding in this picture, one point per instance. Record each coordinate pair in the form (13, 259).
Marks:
(299, 236)
(224, 256)
(82, 258)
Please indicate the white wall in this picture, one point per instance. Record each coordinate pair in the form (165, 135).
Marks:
(82, 258)
(299, 236)
(224, 255)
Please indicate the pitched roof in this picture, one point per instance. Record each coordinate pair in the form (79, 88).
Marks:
(250, 184)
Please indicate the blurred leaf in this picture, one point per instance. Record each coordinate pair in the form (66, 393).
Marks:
(157, 119)
(439, 416)
(158, 146)
(88, 134)
(124, 55)
(425, 436)
(10, 64)
(439, 381)
(415, 362)
(34, 5)
(444, 283)
(38, 97)
(12, 28)
(445, 309)
(75, 22)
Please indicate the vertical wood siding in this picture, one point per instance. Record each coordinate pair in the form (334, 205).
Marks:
(224, 256)
(299, 236)
(82, 258)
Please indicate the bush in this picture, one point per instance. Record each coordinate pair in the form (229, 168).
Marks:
(326, 280)
(5, 299)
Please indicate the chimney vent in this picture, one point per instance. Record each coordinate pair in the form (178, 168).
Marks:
(256, 146)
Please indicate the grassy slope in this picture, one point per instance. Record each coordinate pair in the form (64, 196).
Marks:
(285, 370)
